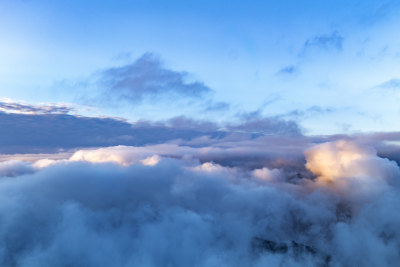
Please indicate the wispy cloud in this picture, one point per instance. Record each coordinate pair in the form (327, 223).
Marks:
(216, 106)
(288, 70)
(310, 111)
(390, 84)
(332, 40)
(21, 108)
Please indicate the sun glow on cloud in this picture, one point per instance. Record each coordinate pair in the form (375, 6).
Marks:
(122, 155)
(350, 168)
(243, 212)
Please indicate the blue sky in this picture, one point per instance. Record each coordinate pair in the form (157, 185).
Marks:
(331, 66)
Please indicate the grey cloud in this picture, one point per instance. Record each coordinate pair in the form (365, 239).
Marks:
(182, 122)
(252, 142)
(325, 41)
(14, 168)
(254, 122)
(23, 133)
(147, 78)
(34, 109)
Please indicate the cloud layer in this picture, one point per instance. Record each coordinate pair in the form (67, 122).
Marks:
(144, 206)
(26, 133)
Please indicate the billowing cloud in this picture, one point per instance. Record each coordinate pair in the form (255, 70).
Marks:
(12, 168)
(138, 206)
(147, 78)
(350, 168)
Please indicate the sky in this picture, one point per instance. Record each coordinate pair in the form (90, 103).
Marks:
(332, 66)
(199, 133)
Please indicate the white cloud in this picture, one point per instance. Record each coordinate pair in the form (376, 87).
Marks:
(351, 169)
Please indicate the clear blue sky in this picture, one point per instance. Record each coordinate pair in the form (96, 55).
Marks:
(332, 66)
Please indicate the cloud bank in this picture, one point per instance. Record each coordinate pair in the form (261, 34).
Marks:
(27, 133)
(162, 206)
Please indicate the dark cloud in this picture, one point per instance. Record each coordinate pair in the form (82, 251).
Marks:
(22, 133)
(50, 132)
(325, 41)
(182, 122)
(34, 109)
(147, 78)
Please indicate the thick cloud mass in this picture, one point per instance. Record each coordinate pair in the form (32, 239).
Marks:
(138, 206)
(44, 133)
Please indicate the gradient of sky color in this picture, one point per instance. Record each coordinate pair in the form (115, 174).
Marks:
(332, 66)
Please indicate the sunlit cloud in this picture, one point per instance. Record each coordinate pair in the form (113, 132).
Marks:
(253, 216)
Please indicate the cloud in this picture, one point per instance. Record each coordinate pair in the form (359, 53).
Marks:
(20, 108)
(181, 212)
(325, 41)
(22, 133)
(123, 155)
(12, 168)
(390, 84)
(273, 175)
(147, 78)
(254, 122)
(311, 111)
(344, 166)
(182, 122)
(216, 107)
(288, 70)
